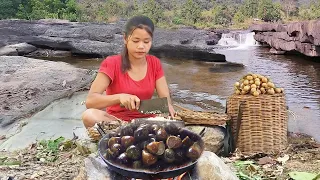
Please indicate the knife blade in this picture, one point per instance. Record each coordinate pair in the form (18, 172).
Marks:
(153, 106)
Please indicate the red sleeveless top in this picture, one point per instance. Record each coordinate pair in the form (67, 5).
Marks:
(123, 83)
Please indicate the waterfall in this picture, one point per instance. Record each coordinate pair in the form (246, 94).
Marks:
(237, 40)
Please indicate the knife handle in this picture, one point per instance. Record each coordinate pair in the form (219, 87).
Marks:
(121, 105)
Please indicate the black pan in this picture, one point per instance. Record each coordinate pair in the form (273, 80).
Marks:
(147, 174)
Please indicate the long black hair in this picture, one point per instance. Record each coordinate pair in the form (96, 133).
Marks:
(141, 22)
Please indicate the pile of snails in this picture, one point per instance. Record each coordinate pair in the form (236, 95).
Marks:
(150, 146)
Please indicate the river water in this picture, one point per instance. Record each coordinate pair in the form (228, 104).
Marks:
(203, 86)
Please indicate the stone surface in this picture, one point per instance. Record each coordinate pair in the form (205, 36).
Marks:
(102, 39)
(211, 167)
(303, 37)
(213, 137)
(17, 49)
(61, 118)
(29, 85)
(275, 51)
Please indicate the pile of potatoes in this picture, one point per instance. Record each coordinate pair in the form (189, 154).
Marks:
(256, 84)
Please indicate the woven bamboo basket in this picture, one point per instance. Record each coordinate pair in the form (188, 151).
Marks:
(263, 124)
(203, 118)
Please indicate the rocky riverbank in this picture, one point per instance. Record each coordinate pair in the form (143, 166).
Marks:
(29, 85)
(64, 38)
(302, 37)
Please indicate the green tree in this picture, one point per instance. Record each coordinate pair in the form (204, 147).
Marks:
(239, 17)
(190, 12)
(153, 10)
(249, 8)
(311, 11)
(269, 11)
(9, 8)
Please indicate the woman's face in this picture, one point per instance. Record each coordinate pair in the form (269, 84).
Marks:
(138, 43)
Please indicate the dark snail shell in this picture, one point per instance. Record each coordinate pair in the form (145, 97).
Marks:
(127, 141)
(180, 155)
(169, 155)
(194, 151)
(143, 144)
(141, 134)
(114, 140)
(133, 152)
(187, 142)
(152, 136)
(156, 148)
(173, 142)
(146, 126)
(110, 155)
(123, 159)
(126, 130)
(148, 158)
(116, 148)
(113, 134)
(155, 128)
(161, 135)
(171, 128)
(137, 164)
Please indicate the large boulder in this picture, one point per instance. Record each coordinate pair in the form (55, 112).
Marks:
(28, 85)
(303, 37)
(104, 39)
(16, 49)
(213, 137)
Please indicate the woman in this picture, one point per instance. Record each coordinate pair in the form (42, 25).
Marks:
(127, 78)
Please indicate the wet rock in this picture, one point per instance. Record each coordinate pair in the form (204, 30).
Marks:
(17, 49)
(302, 37)
(213, 138)
(104, 39)
(275, 51)
(7, 51)
(49, 53)
(213, 39)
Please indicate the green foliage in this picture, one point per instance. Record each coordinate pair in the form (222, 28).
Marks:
(153, 10)
(239, 17)
(303, 176)
(311, 11)
(269, 11)
(9, 8)
(249, 8)
(55, 9)
(190, 12)
(48, 149)
(165, 13)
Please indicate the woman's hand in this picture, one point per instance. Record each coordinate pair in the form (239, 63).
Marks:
(172, 111)
(129, 101)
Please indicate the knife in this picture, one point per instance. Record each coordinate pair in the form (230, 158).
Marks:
(153, 106)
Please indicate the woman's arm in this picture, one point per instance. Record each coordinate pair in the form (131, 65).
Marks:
(163, 91)
(95, 98)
